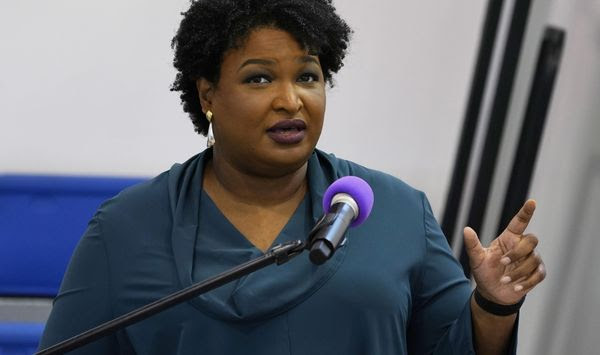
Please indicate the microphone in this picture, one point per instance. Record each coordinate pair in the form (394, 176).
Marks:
(347, 203)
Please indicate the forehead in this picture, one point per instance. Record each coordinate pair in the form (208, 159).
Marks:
(266, 42)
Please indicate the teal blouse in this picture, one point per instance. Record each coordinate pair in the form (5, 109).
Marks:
(393, 288)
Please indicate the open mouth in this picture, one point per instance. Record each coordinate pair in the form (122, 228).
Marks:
(289, 125)
(288, 131)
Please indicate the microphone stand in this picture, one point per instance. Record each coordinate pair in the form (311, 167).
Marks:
(279, 254)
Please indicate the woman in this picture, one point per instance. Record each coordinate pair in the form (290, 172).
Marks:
(253, 73)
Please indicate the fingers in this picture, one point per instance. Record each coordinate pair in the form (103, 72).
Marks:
(523, 248)
(473, 247)
(530, 282)
(528, 267)
(524, 269)
(520, 221)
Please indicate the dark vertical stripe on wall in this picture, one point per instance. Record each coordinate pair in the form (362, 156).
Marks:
(487, 165)
(465, 144)
(533, 123)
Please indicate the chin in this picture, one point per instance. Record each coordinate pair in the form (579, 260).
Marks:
(287, 161)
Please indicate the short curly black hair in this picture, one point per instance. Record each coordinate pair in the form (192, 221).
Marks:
(210, 27)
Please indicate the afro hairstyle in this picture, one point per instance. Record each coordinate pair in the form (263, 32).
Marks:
(211, 27)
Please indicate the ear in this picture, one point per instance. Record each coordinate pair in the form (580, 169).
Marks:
(205, 93)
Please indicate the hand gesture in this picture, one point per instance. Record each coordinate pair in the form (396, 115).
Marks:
(510, 267)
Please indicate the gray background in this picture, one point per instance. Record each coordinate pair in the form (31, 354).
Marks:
(84, 89)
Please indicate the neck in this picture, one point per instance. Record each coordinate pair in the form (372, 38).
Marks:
(223, 179)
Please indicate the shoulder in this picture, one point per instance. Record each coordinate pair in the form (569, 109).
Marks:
(387, 188)
(149, 204)
(144, 196)
(401, 217)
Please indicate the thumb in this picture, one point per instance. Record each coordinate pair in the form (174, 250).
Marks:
(473, 247)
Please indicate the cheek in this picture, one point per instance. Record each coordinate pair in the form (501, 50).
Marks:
(233, 105)
(320, 104)
(315, 105)
(237, 112)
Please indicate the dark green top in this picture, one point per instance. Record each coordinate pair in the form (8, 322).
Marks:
(394, 288)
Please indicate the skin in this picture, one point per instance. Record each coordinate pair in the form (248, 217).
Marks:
(258, 183)
(255, 181)
(504, 272)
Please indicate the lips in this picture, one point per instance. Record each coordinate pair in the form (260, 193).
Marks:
(288, 131)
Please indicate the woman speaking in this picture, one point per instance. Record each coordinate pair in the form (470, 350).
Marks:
(252, 75)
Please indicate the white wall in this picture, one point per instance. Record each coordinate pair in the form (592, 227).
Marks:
(562, 316)
(84, 88)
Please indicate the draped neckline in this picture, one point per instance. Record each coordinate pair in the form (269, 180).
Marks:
(205, 243)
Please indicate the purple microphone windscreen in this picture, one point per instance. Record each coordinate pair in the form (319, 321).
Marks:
(360, 191)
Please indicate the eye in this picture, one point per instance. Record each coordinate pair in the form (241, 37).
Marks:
(308, 78)
(258, 79)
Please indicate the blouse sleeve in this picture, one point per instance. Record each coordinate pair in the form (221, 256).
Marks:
(441, 316)
(83, 301)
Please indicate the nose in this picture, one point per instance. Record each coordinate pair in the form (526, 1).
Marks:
(287, 99)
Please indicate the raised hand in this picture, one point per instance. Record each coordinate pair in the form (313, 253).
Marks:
(510, 267)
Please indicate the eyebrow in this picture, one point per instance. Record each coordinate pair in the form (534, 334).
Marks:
(257, 61)
(268, 62)
(309, 59)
